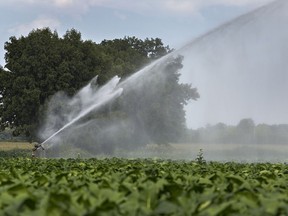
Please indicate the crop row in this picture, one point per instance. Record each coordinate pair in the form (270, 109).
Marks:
(141, 187)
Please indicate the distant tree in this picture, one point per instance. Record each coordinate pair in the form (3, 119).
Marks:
(246, 125)
(271, 134)
(246, 131)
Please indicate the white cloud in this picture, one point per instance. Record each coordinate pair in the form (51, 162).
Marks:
(167, 5)
(190, 6)
(140, 6)
(63, 3)
(121, 16)
(41, 22)
(181, 6)
(239, 2)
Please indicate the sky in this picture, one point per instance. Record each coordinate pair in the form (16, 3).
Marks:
(174, 21)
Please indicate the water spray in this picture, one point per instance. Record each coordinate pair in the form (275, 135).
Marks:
(105, 94)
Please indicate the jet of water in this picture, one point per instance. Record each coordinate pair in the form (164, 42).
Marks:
(91, 100)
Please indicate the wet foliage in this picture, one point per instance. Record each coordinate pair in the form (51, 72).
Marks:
(141, 187)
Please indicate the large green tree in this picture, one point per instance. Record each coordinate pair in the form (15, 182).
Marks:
(129, 54)
(42, 63)
(38, 66)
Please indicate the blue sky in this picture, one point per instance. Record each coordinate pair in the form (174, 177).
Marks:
(174, 21)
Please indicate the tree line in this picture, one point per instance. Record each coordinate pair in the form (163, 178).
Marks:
(245, 132)
(43, 63)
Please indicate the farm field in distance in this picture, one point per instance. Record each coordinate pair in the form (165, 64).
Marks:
(244, 153)
(9, 149)
(7, 145)
(141, 187)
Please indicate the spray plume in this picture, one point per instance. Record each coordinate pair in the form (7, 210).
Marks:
(239, 68)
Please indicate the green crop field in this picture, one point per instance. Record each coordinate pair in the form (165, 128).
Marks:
(141, 187)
